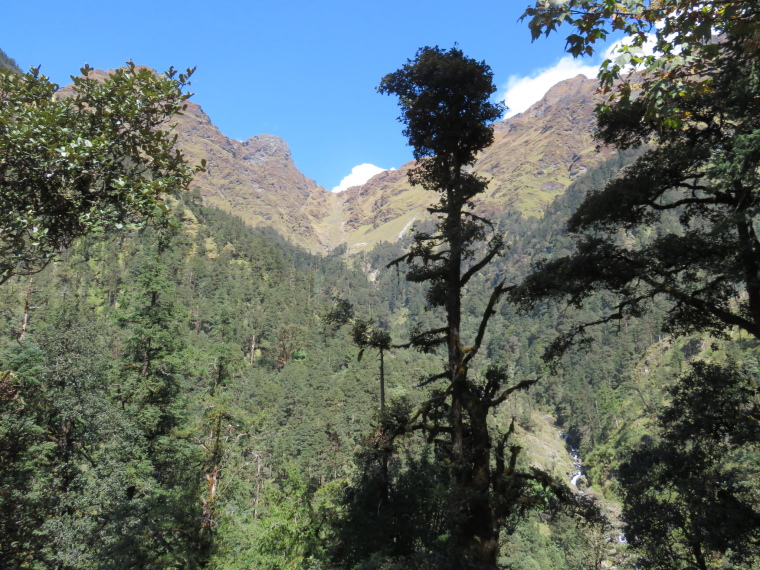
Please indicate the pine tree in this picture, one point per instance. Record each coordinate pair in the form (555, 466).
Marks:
(162, 521)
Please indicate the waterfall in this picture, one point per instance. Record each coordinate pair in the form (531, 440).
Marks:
(577, 474)
(577, 463)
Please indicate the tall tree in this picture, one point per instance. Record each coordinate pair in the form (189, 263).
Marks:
(94, 157)
(365, 333)
(690, 494)
(697, 181)
(445, 101)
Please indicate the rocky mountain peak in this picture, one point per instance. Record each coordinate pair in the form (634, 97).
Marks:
(579, 89)
(263, 148)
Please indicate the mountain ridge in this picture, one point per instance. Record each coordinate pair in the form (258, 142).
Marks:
(534, 157)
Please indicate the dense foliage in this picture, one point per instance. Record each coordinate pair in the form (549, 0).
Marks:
(171, 396)
(675, 46)
(699, 182)
(181, 392)
(92, 159)
(696, 181)
(691, 492)
(270, 406)
(158, 380)
(678, 225)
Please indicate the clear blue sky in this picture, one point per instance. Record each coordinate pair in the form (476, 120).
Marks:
(302, 70)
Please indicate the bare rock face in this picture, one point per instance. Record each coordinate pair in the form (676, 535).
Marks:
(266, 148)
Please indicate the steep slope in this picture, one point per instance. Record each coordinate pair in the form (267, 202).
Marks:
(535, 156)
(8, 63)
(258, 181)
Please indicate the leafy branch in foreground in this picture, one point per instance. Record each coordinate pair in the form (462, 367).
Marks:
(93, 157)
(680, 223)
(675, 45)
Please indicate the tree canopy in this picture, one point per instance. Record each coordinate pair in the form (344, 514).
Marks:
(675, 45)
(680, 224)
(696, 182)
(93, 157)
(444, 98)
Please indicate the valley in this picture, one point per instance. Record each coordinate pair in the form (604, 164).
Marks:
(565, 331)
(535, 156)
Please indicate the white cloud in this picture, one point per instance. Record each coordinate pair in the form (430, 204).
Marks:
(359, 175)
(519, 93)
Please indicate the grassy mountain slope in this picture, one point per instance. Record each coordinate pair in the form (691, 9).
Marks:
(258, 181)
(535, 156)
(7, 62)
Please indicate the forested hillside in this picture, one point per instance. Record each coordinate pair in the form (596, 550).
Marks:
(575, 390)
(181, 393)
(189, 369)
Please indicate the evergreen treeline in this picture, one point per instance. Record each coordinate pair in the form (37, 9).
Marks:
(174, 397)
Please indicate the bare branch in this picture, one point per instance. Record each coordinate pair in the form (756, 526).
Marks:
(524, 385)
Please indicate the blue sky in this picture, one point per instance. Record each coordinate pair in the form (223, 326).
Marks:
(302, 70)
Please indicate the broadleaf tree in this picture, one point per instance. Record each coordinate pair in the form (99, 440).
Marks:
(679, 224)
(445, 99)
(696, 181)
(93, 157)
(674, 45)
(691, 491)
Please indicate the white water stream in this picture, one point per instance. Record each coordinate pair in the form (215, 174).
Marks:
(577, 463)
(577, 474)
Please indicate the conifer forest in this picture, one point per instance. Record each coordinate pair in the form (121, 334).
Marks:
(492, 390)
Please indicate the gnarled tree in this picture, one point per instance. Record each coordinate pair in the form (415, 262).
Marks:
(445, 101)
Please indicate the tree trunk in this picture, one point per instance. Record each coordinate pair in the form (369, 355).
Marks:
(27, 308)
